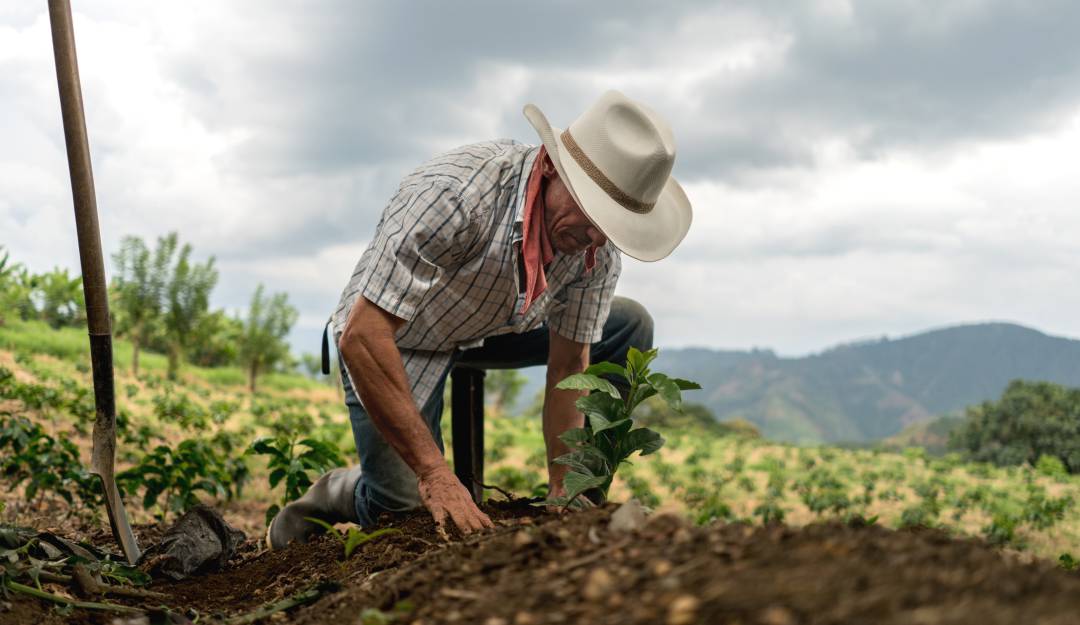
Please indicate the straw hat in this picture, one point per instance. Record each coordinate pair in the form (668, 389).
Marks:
(616, 161)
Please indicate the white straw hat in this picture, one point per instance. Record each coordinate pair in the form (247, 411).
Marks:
(616, 161)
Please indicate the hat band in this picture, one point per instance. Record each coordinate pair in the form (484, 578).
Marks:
(602, 181)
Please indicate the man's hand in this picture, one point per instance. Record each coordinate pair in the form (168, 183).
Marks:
(367, 344)
(445, 496)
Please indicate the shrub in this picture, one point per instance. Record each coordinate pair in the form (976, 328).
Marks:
(1031, 420)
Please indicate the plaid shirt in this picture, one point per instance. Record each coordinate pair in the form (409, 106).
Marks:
(445, 259)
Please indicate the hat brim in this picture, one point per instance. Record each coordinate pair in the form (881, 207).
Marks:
(645, 236)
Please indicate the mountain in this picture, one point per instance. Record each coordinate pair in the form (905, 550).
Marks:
(868, 390)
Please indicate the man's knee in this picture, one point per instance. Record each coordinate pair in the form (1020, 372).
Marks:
(633, 322)
(395, 493)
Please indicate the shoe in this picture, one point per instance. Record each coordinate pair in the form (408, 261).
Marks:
(332, 498)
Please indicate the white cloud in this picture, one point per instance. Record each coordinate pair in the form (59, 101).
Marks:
(855, 170)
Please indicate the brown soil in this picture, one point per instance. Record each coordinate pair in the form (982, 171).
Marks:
(536, 568)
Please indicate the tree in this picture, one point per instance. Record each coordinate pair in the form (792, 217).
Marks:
(187, 300)
(503, 386)
(262, 342)
(214, 340)
(14, 289)
(139, 288)
(1031, 419)
(60, 298)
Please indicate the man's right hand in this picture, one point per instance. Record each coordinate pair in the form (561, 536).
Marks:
(444, 496)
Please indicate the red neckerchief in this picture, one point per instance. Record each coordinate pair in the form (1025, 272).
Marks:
(536, 249)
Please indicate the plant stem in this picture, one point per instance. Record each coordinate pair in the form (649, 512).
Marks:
(300, 598)
(88, 605)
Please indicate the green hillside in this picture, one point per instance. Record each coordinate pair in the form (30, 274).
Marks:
(871, 390)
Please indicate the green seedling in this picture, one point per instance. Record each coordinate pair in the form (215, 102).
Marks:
(354, 536)
(609, 436)
(294, 462)
(180, 472)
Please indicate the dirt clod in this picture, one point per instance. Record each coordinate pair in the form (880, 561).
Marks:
(683, 610)
(597, 585)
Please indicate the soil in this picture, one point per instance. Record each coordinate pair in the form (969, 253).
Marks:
(536, 568)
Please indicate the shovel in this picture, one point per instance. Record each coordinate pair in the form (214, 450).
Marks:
(103, 460)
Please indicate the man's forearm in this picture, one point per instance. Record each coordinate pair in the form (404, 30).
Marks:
(560, 414)
(384, 390)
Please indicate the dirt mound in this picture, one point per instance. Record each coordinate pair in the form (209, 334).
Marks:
(536, 568)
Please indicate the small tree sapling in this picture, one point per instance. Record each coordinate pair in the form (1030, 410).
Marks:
(609, 437)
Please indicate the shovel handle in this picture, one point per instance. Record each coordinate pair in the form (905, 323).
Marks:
(93, 270)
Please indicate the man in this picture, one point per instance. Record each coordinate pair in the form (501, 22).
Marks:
(498, 255)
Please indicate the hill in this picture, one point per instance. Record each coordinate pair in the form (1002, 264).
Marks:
(869, 390)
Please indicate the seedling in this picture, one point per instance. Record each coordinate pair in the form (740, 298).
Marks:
(609, 437)
(287, 462)
(354, 537)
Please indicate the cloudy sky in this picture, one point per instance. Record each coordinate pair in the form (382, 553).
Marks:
(857, 169)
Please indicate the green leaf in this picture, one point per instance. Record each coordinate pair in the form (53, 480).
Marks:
(602, 404)
(328, 527)
(358, 537)
(638, 362)
(276, 476)
(600, 424)
(643, 439)
(577, 483)
(271, 512)
(667, 389)
(576, 461)
(607, 368)
(685, 385)
(586, 382)
(575, 437)
(265, 446)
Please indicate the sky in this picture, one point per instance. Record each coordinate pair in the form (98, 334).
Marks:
(856, 169)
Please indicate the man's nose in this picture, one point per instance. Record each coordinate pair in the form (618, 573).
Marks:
(596, 237)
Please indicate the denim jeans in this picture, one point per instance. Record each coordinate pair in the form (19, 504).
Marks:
(387, 484)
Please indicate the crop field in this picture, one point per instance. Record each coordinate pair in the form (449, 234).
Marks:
(732, 497)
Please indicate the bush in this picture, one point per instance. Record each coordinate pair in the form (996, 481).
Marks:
(1031, 420)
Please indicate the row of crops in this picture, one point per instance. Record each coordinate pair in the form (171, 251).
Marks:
(185, 443)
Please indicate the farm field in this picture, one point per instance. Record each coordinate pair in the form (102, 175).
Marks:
(740, 511)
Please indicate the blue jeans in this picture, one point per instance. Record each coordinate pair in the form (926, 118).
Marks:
(387, 484)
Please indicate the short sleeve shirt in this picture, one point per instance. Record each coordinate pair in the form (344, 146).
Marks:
(445, 259)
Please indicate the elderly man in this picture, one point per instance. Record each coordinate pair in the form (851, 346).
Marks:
(495, 255)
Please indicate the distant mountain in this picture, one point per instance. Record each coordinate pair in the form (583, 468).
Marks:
(869, 390)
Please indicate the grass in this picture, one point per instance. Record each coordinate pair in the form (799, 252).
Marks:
(71, 344)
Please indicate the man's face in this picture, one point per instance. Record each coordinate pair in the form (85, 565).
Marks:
(569, 230)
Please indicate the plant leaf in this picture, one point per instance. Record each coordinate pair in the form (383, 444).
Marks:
(685, 385)
(328, 527)
(575, 461)
(642, 439)
(668, 390)
(607, 368)
(577, 483)
(638, 361)
(575, 437)
(587, 382)
(599, 424)
(600, 404)
(358, 537)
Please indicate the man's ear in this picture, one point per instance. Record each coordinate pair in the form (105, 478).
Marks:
(547, 168)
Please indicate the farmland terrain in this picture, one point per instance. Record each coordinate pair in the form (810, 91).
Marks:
(743, 530)
(869, 390)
